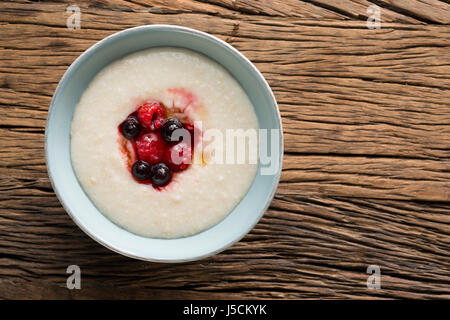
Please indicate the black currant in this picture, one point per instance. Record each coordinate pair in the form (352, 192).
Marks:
(141, 170)
(168, 128)
(160, 174)
(130, 128)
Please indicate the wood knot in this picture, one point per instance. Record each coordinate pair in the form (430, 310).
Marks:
(234, 33)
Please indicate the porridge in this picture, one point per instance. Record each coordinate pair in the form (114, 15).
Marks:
(136, 146)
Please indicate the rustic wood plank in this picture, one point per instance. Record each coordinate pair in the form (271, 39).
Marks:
(318, 248)
(366, 176)
(429, 11)
(405, 11)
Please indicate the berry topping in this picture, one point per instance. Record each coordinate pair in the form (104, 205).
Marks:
(141, 170)
(189, 127)
(130, 128)
(151, 115)
(194, 132)
(160, 174)
(150, 147)
(178, 157)
(157, 146)
(168, 128)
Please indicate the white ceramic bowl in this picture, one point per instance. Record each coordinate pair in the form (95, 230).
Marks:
(78, 205)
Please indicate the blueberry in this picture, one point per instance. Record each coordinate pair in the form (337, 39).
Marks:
(130, 128)
(141, 170)
(160, 174)
(168, 128)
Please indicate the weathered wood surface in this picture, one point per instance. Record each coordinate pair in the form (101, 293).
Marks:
(366, 176)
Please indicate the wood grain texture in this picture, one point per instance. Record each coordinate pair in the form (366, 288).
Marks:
(366, 177)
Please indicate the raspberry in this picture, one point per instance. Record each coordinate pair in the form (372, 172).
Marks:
(178, 157)
(151, 115)
(150, 147)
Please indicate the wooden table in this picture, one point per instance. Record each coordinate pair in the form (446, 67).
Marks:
(366, 177)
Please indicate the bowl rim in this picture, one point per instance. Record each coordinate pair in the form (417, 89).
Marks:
(195, 32)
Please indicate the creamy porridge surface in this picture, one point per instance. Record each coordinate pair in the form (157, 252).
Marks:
(200, 196)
